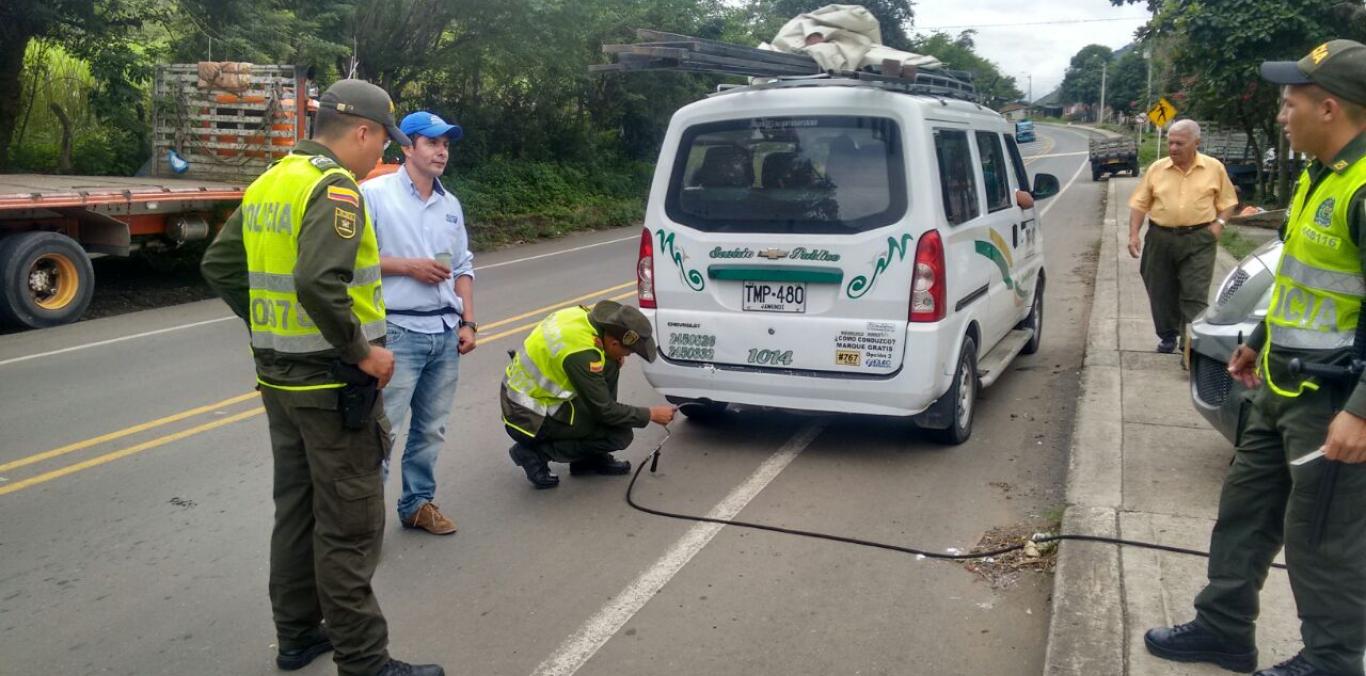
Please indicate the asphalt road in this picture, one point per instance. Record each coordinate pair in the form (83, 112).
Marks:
(135, 487)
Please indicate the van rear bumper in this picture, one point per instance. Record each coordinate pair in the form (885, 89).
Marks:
(909, 391)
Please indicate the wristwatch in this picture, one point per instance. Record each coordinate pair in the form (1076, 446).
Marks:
(473, 325)
(1221, 222)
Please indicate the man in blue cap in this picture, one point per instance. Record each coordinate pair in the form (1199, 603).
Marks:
(428, 282)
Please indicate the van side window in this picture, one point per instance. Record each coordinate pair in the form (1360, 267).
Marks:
(1021, 176)
(994, 170)
(957, 180)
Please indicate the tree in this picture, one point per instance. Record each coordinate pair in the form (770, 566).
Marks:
(1081, 83)
(958, 53)
(1216, 46)
(98, 31)
(1127, 82)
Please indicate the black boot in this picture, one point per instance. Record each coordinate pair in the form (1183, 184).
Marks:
(603, 464)
(1191, 642)
(534, 464)
(312, 645)
(396, 668)
(1295, 666)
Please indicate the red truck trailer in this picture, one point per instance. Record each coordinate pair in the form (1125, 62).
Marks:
(220, 124)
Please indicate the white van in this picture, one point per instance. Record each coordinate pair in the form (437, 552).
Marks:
(840, 245)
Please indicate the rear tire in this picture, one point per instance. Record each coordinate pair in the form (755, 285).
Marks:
(1095, 175)
(1034, 320)
(700, 410)
(46, 279)
(961, 398)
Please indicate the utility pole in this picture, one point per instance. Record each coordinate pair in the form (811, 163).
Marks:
(1148, 97)
(1103, 68)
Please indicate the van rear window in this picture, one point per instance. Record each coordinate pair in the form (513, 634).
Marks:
(818, 175)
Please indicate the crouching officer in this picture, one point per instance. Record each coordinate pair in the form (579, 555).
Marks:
(1316, 509)
(559, 393)
(299, 262)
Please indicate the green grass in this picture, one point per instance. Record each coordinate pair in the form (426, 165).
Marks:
(1236, 244)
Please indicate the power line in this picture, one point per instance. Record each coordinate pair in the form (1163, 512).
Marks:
(1029, 23)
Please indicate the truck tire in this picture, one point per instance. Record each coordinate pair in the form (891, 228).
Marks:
(961, 399)
(1095, 175)
(46, 279)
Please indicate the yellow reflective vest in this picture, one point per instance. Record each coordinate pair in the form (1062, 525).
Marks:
(535, 380)
(272, 212)
(1319, 286)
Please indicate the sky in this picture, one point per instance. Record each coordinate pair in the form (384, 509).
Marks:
(1039, 50)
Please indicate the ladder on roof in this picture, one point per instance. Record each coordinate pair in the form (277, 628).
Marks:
(684, 53)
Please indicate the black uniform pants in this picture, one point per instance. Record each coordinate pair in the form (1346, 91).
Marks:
(1176, 267)
(1266, 504)
(329, 524)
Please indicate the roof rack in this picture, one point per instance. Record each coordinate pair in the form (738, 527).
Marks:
(684, 53)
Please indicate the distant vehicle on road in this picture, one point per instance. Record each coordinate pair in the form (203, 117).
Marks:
(1024, 131)
(1240, 305)
(1112, 156)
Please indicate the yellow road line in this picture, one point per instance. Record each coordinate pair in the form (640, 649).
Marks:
(184, 434)
(119, 434)
(532, 325)
(571, 301)
(131, 450)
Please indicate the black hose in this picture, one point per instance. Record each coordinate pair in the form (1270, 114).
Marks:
(654, 460)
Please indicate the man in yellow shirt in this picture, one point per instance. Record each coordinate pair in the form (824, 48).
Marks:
(1186, 198)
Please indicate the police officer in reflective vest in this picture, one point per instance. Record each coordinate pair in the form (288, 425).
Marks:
(1266, 502)
(559, 393)
(298, 261)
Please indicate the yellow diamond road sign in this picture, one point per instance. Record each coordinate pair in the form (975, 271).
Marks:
(1162, 113)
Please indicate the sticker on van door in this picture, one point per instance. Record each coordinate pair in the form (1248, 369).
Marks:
(998, 252)
(692, 278)
(861, 284)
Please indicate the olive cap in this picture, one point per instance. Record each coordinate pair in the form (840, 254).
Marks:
(1337, 65)
(362, 99)
(627, 324)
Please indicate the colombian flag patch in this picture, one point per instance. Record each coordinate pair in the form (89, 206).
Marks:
(596, 366)
(343, 195)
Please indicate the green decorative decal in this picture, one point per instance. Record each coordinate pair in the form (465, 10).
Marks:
(692, 278)
(1001, 258)
(860, 285)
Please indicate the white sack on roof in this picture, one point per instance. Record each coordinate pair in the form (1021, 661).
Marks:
(851, 39)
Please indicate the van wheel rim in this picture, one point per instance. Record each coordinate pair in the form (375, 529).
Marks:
(53, 281)
(966, 384)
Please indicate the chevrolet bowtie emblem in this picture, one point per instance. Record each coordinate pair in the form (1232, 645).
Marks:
(773, 254)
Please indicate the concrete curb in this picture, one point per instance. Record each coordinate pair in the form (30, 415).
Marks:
(1086, 632)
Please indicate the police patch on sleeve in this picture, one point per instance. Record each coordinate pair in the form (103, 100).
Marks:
(596, 366)
(345, 223)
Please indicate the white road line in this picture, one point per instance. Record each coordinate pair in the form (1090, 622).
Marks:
(579, 648)
(1056, 198)
(1040, 157)
(554, 253)
(182, 327)
(111, 341)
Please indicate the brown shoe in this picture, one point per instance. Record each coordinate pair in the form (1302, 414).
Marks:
(430, 519)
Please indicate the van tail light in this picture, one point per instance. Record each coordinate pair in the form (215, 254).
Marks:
(645, 271)
(928, 284)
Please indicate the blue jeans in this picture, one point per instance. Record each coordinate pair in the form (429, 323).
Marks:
(426, 369)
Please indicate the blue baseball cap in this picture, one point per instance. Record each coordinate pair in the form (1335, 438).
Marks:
(423, 123)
